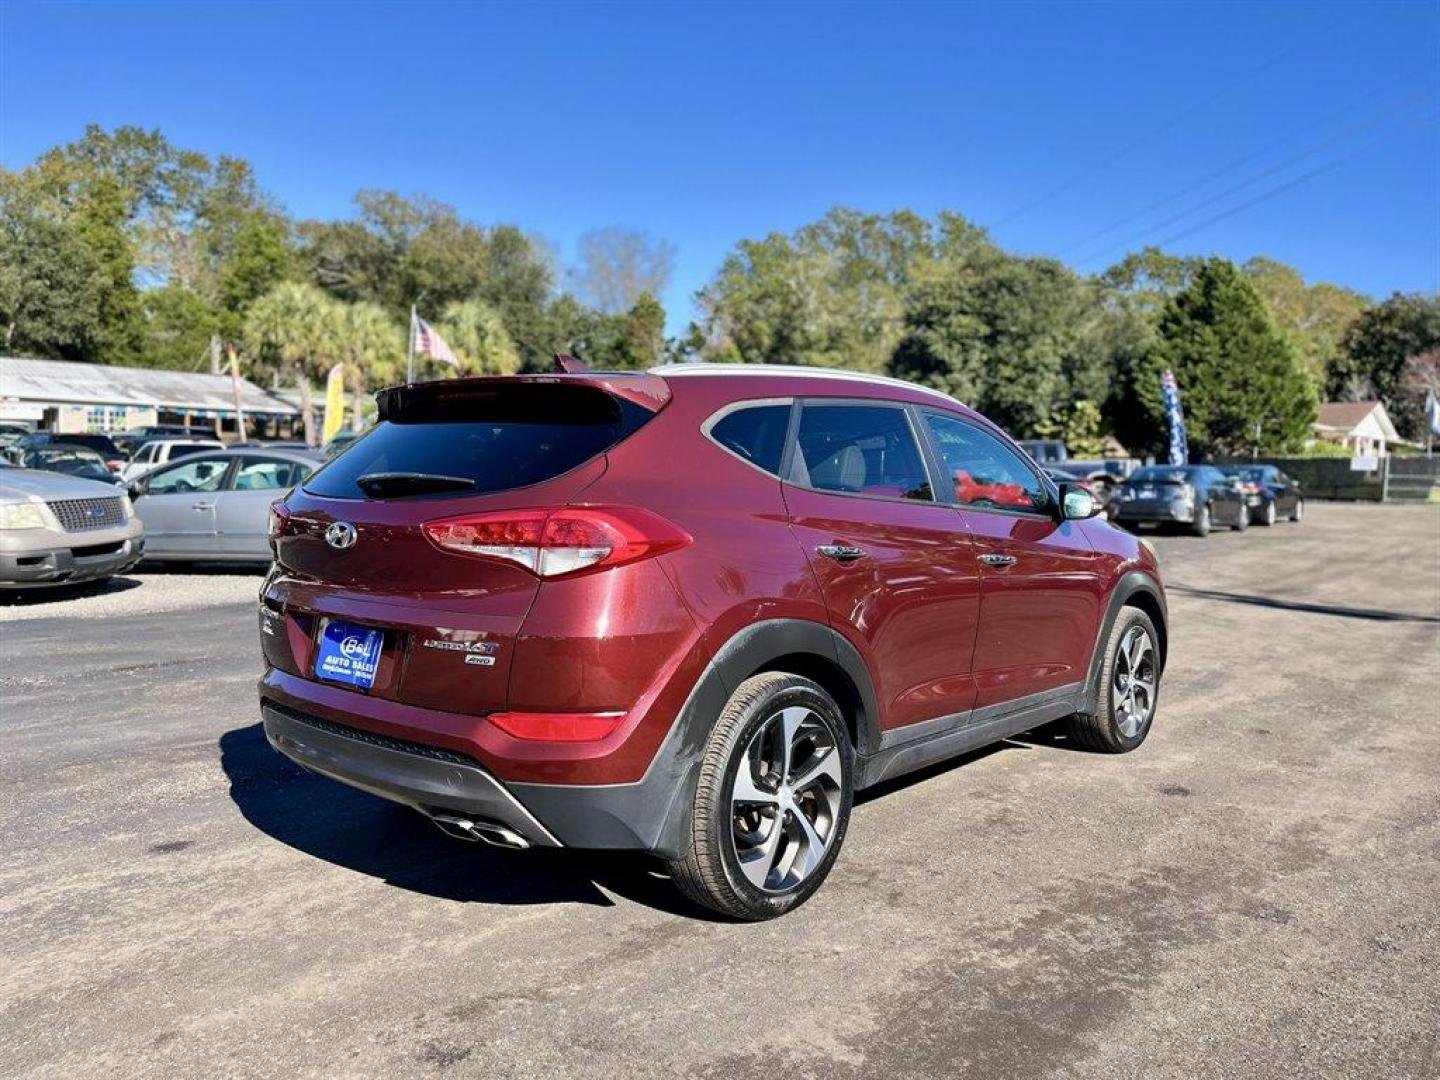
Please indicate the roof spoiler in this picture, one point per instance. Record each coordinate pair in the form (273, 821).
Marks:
(649, 392)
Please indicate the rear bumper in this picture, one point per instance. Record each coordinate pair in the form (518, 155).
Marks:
(427, 778)
(1176, 511)
(68, 565)
(649, 815)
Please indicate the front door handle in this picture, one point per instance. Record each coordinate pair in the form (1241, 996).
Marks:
(202, 506)
(842, 553)
(993, 559)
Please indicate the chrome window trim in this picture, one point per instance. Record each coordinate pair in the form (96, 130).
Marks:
(1049, 488)
(841, 402)
(707, 426)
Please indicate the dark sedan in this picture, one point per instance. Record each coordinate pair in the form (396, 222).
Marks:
(1269, 493)
(78, 461)
(1197, 496)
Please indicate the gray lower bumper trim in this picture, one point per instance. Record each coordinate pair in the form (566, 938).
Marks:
(426, 783)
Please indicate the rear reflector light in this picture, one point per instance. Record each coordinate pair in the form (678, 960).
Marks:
(279, 523)
(557, 727)
(553, 542)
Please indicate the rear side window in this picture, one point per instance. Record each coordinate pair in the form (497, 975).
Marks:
(490, 438)
(179, 450)
(266, 474)
(860, 450)
(756, 433)
(987, 473)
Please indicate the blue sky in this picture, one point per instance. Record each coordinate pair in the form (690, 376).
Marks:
(1048, 123)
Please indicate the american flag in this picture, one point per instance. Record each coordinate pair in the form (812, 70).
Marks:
(431, 344)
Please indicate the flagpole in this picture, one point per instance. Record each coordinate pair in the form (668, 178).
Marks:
(410, 349)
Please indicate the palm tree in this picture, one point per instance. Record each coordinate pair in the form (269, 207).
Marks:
(478, 336)
(291, 330)
(373, 348)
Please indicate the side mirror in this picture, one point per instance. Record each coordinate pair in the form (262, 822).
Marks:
(1076, 503)
(135, 488)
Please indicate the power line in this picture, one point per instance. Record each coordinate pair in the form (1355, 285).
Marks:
(1359, 129)
(1234, 165)
(1152, 134)
(1281, 188)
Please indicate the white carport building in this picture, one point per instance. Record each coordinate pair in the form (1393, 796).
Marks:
(64, 396)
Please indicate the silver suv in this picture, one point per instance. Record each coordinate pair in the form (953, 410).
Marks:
(57, 530)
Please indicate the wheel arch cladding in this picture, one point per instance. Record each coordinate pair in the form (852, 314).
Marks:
(831, 678)
(1139, 590)
(654, 812)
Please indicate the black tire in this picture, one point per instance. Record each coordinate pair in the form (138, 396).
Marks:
(1201, 524)
(709, 871)
(1101, 730)
(1242, 519)
(1298, 512)
(1267, 513)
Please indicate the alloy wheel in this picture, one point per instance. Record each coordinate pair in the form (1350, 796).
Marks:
(786, 800)
(1134, 682)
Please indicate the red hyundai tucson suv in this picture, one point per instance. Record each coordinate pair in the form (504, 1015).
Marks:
(690, 611)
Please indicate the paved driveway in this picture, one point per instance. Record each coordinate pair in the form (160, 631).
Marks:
(1254, 893)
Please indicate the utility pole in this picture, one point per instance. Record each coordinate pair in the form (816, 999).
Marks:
(410, 350)
(215, 370)
(235, 389)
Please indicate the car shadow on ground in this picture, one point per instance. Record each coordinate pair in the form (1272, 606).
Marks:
(372, 836)
(225, 569)
(54, 593)
(1371, 614)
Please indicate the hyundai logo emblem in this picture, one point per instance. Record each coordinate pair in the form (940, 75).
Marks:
(341, 535)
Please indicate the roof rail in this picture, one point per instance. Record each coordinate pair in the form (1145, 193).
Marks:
(800, 370)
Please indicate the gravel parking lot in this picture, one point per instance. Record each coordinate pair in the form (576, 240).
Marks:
(1256, 892)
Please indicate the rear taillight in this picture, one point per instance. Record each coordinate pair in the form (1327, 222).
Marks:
(279, 523)
(557, 727)
(552, 542)
(115, 465)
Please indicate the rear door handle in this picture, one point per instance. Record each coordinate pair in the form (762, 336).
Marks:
(842, 553)
(202, 506)
(992, 559)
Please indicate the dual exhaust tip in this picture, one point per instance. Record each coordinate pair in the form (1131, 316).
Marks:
(490, 832)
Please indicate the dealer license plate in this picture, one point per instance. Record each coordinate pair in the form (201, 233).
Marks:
(349, 654)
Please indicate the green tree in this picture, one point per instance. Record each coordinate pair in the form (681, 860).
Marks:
(832, 293)
(1374, 350)
(293, 333)
(1006, 335)
(1314, 317)
(478, 335)
(49, 279)
(642, 333)
(179, 324)
(260, 256)
(372, 346)
(1240, 381)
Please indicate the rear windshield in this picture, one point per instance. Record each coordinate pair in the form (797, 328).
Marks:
(1160, 476)
(497, 437)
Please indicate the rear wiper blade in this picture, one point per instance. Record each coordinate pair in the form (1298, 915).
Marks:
(380, 484)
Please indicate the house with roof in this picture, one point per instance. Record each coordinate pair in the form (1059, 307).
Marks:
(1363, 426)
(70, 396)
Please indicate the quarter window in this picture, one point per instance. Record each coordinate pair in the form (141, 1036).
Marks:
(861, 450)
(986, 473)
(756, 433)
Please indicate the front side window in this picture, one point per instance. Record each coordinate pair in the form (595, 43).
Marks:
(860, 450)
(987, 473)
(201, 474)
